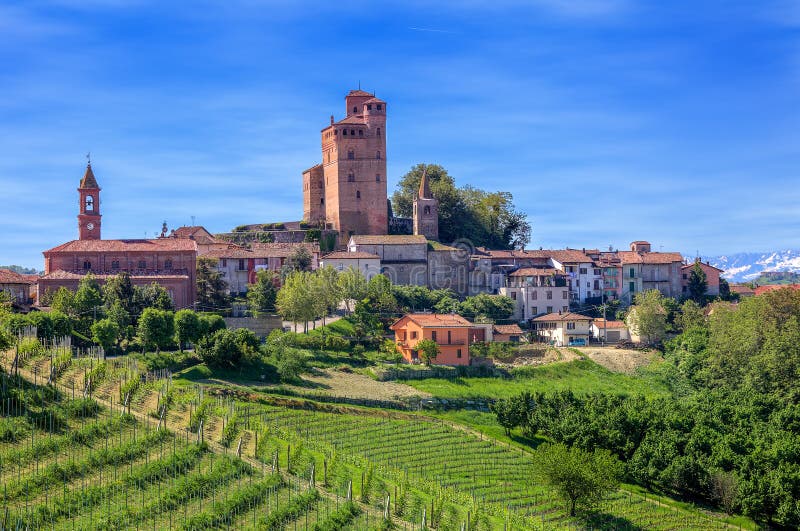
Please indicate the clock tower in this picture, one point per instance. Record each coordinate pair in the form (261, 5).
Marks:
(89, 208)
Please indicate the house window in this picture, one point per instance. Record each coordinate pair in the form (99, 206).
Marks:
(167, 264)
(549, 295)
(632, 272)
(413, 335)
(632, 287)
(369, 107)
(380, 106)
(513, 295)
(458, 353)
(534, 310)
(351, 155)
(87, 264)
(241, 264)
(360, 132)
(570, 326)
(224, 262)
(684, 276)
(597, 272)
(564, 309)
(377, 177)
(142, 264)
(565, 294)
(549, 309)
(358, 194)
(583, 271)
(433, 335)
(535, 295)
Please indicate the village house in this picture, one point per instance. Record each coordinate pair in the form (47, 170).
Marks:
(536, 291)
(643, 270)
(712, 277)
(609, 331)
(451, 333)
(368, 264)
(510, 333)
(563, 329)
(17, 286)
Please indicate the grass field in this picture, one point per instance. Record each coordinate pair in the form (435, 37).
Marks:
(580, 376)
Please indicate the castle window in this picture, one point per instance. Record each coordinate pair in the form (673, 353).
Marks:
(351, 178)
(379, 131)
(369, 107)
(427, 210)
(355, 109)
(360, 132)
(115, 264)
(142, 264)
(358, 194)
(344, 132)
(167, 264)
(351, 155)
(87, 264)
(335, 132)
(380, 106)
(321, 200)
(352, 132)
(378, 155)
(377, 177)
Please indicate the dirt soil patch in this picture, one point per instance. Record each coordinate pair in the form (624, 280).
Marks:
(354, 385)
(620, 359)
(541, 356)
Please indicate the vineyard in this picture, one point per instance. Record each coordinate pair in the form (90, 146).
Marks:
(105, 444)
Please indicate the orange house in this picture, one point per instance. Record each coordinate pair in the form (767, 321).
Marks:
(449, 331)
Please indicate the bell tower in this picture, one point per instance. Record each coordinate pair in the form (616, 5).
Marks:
(426, 210)
(89, 206)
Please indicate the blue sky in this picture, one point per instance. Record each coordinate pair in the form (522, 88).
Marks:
(610, 121)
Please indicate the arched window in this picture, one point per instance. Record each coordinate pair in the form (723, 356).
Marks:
(351, 178)
(378, 155)
(380, 106)
(352, 132)
(344, 132)
(351, 155)
(321, 200)
(369, 107)
(358, 194)
(355, 109)
(377, 177)
(89, 203)
(427, 210)
(87, 264)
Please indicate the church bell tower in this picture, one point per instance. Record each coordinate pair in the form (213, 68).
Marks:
(426, 210)
(89, 207)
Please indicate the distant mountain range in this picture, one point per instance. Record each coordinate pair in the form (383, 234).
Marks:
(746, 267)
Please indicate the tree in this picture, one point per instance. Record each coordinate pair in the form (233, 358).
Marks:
(353, 287)
(428, 349)
(187, 327)
(511, 412)
(6, 340)
(153, 295)
(698, 284)
(64, 302)
(648, 317)
(489, 306)
(330, 293)
(220, 349)
(261, 295)
(486, 219)
(691, 314)
(295, 301)
(88, 299)
(156, 328)
(582, 478)
(212, 290)
(119, 290)
(210, 323)
(300, 259)
(290, 364)
(105, 333)
(725, 290)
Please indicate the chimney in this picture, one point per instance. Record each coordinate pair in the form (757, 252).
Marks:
(331, 119)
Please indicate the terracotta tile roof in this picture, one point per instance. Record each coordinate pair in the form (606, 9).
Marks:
(374, 100)
(60, 274)
(344, 255)
(741, 289)
(603, 323)
(389, 239)
(315, 166)
(632, 257)
(11, 277)
(121, 246)
(232, 253)
(640, 242)
(534, 271)
(280, 250)
(352, 119)
(569, 316)
(760, 290)
(359, 92)
(512, 329)
(435, 320)
(196, 233)
(88, 180)
(703, 264)
(561, 255)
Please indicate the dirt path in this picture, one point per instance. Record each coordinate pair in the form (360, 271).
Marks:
(620, 359)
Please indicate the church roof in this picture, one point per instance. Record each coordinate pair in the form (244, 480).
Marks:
(424, 186)
(60, 274)
(12, 277)
(158, 244)
(88, 180)
(388, 239)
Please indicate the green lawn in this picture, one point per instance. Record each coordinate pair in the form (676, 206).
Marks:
(581, 376)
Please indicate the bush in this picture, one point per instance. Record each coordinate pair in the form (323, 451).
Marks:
(220, 349)
(290, 364)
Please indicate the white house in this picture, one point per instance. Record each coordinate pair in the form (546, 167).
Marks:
(563, 329)
(369, 264)
(609, 331)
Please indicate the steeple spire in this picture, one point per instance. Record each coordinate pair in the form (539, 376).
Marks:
(424, 187)
(88, 180)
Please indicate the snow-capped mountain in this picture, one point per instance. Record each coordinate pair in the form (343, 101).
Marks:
(743, 267)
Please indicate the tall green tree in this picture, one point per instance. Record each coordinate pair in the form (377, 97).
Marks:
(187, 327)
(582, 478)
(261, 295)
(698, 284)
(648, 316)
(212, 290)
(300, 259)
(105, 333)
(119, 289)
(428, 350)
(352, 286)
(156, 328)
(489, 306)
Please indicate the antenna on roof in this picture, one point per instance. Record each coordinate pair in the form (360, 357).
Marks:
(89, 158)
(359, 84)
(192, 221)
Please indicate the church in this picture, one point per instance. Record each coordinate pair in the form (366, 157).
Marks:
(170, 262)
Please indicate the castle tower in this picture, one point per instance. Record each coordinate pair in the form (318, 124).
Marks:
(89, 206)
(426, 210)
(352, 175)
